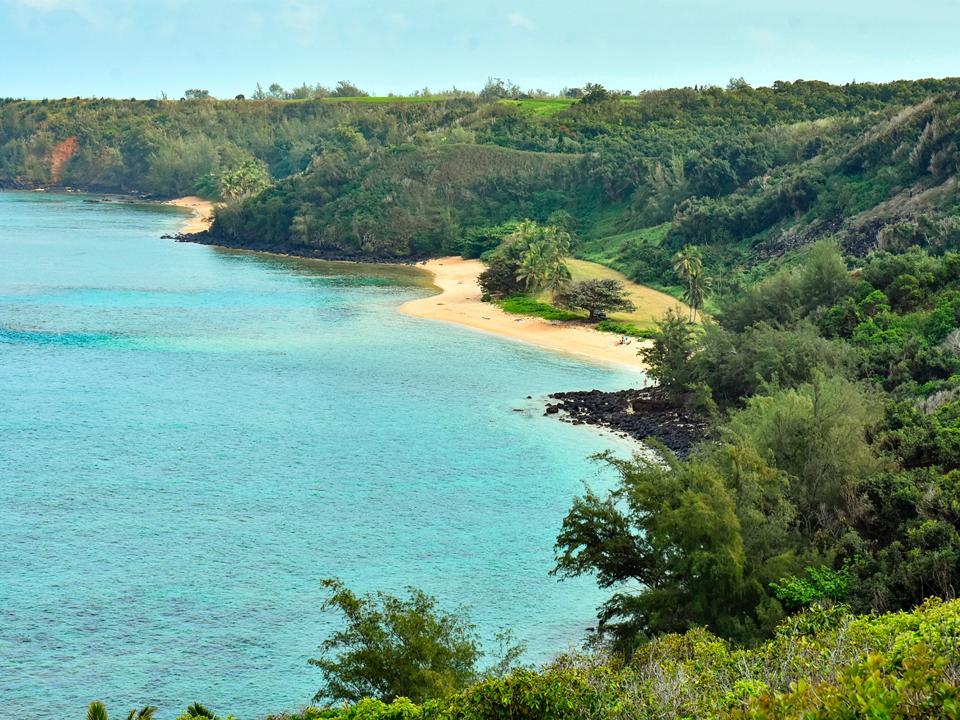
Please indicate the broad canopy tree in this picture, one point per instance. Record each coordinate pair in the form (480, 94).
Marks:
(597, 296)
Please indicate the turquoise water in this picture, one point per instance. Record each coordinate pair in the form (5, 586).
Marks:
(192, 438)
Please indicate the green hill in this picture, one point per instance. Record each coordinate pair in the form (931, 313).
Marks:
(746, 173)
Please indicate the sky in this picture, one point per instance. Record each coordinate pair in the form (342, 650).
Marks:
(143, 48)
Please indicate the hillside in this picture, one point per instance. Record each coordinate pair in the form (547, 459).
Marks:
(747, 174)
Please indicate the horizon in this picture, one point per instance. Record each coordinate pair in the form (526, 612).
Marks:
(441, 92)
(129, 50)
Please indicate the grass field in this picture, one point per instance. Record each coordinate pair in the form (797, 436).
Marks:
(525, 305)
(544, 107)
(607, 248)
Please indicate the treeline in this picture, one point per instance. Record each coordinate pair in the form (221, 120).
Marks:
(726, 168)
(170, 148)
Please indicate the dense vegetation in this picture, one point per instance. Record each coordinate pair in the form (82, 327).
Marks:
(821, 664)
(836, 399)
(744, 173)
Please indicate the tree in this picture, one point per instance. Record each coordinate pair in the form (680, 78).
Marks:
(397, 647)
(533, 268)
(500, 277)
(498, 89)
(674, 342)
(542, 267)
(248, 178)
(535, 254)
(348, 89)
(597, 296)
(703, 539)
(696, 293)
(542, 252)
(688, 265)
(196, 711)
(594, 93)
(197, 94)
(737, 365)
(818, 434)
(176, 167)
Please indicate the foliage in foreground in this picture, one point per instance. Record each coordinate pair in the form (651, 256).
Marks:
(394, 647)
(822, 663)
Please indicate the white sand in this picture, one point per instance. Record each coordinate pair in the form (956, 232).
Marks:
(459, 302)
(202, 213)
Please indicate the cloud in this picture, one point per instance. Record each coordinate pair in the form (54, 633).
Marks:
(519, 20)
(302, 18)
(97, 16)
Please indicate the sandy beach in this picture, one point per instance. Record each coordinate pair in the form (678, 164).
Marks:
(202, 213)
(459, 302)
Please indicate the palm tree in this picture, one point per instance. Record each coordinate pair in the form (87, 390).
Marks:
(98, 711)
(534, 266)
(542, 252)
(698, 286)
(687, 262)
(199, 711)
(558, 276)
(688, 265)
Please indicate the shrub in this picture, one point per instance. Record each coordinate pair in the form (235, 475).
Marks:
(624, 328)
(396, 647)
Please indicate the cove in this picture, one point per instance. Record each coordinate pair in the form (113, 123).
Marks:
(192, 438)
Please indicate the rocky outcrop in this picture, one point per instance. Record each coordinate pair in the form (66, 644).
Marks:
(641, 414)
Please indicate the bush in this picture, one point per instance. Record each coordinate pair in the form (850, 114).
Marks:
(500, 277)
(397, 647)
(624, 328)
(737, 365)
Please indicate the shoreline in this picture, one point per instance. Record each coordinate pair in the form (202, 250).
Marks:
(202, 213)
(458, 303)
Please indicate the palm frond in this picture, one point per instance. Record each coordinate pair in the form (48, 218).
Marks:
(97, 711)
(199, 711)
